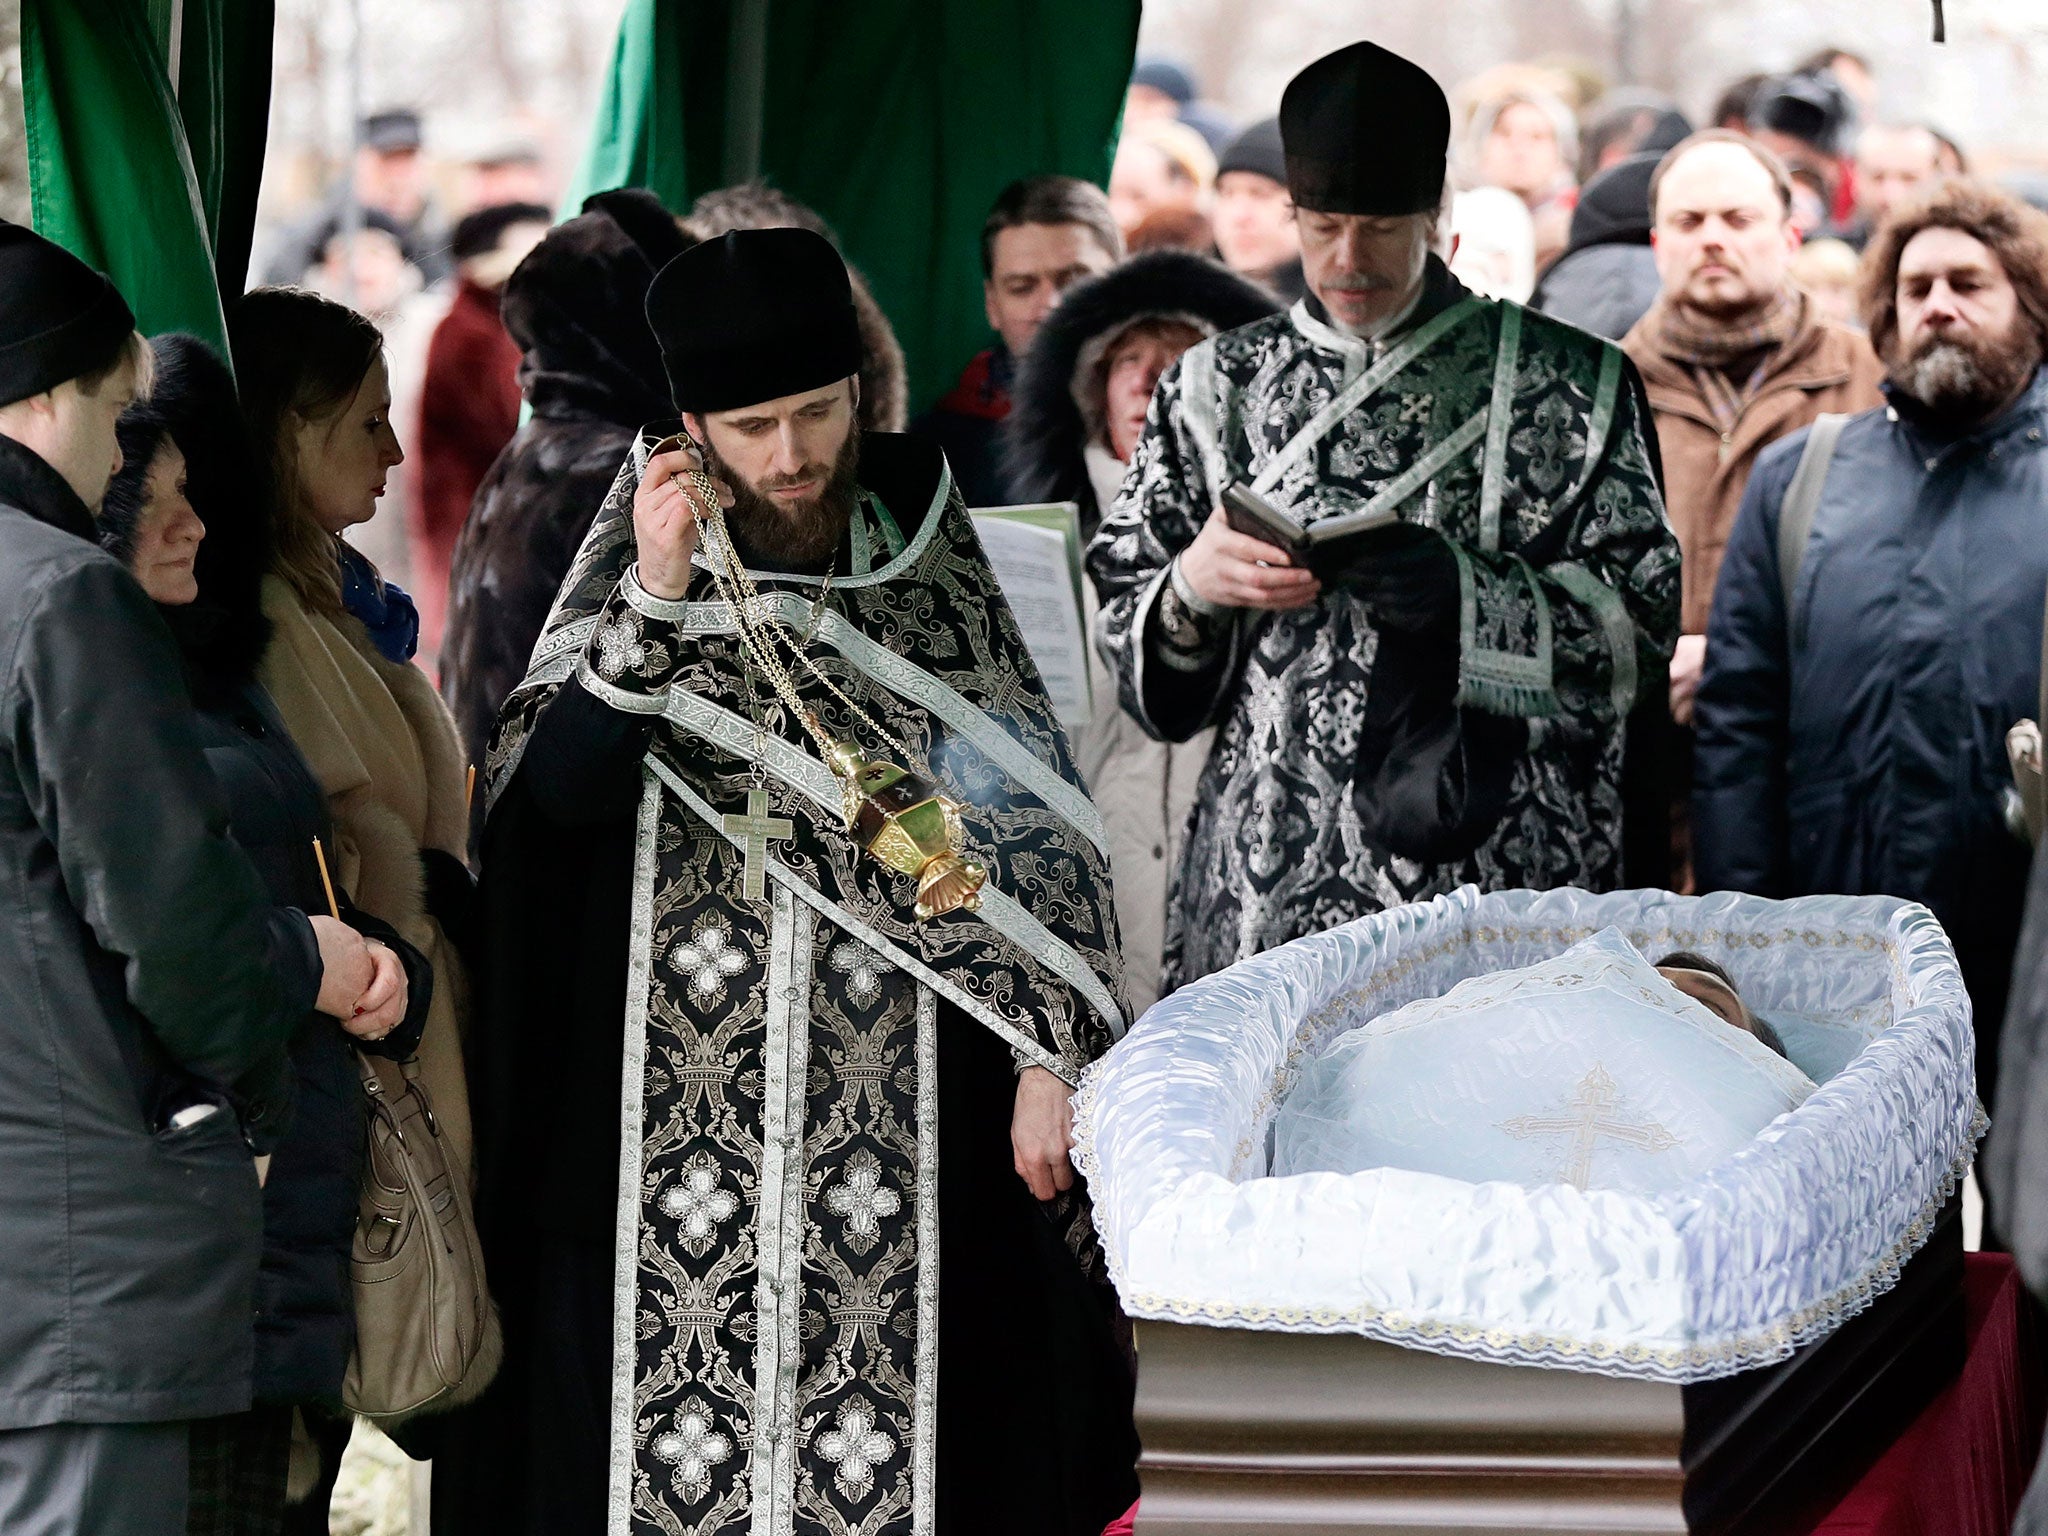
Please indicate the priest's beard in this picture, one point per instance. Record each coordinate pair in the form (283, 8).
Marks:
(1964, 379)
(798, 534)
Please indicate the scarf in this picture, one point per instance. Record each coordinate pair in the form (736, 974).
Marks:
(1710, 348)
(386, 611)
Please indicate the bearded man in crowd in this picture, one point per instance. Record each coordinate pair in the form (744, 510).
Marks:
(1443, 696)
(1873, 639)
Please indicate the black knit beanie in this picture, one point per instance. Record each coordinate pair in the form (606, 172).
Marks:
(59, 319)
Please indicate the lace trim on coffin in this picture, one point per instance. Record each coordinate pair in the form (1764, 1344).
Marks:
(1704, 1362)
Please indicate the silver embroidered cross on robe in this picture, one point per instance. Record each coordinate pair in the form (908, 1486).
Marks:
(776, 1346)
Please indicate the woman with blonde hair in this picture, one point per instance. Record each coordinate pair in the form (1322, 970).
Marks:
(317, 400)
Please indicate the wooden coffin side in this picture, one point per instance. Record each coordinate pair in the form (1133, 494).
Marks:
(1320, 1434)
(1773, 1449)
(1335, 1435)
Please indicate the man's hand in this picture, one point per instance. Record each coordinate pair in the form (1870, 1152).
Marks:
(346, 969)
(1041, 1131)
(381, 1008)
(1687, 663)
(663, 525)
(1227, 567)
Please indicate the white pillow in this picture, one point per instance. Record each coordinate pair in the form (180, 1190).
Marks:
(1589, 1069)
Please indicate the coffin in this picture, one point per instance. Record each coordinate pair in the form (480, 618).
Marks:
(1396, 1352)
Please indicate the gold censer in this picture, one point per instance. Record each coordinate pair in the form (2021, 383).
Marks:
(904, 821)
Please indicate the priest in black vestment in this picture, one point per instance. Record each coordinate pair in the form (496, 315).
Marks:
(772, 1171)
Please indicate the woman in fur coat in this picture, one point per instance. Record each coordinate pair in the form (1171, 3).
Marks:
(183, 515)
(379, 740)
(591, 373)
(1080, 396)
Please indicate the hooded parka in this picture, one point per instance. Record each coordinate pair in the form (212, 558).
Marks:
(592, 374)
(1055, 449)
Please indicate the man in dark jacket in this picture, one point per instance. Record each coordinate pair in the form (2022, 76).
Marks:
(1043, 235)
(1856, 743)
(1606, 280)
(592, 374)
(142, 970)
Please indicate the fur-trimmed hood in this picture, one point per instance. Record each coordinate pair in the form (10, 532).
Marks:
(1048, 429)
(222, 635)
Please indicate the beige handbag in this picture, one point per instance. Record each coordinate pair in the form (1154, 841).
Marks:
(426, 1332)
(2023, 751)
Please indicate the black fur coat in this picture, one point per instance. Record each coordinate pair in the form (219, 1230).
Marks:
(592, 374)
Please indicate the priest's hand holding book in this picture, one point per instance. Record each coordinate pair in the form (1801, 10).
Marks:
(1233, 570)
(664, 522)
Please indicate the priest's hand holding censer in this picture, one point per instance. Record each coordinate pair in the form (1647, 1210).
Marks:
(899, 816)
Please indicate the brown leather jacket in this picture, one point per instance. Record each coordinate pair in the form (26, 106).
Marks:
(1824, 368)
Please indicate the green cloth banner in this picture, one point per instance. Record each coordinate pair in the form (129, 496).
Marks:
(154, 186)
(897, 120)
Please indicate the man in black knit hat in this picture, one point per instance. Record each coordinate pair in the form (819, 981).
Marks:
(836, 1272)
(1253, 216)
(144, 975)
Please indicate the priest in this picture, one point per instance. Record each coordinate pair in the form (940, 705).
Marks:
(1443, 699)
(800, 933)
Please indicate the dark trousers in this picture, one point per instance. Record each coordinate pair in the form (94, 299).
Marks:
(94, 1480)
(239, 1467)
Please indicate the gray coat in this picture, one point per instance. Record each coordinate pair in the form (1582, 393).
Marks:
(1604, 289)
(142, 971)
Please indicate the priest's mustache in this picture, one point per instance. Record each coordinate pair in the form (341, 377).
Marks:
(1362, 282)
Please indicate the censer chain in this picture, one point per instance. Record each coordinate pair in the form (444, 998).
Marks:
(760, 632)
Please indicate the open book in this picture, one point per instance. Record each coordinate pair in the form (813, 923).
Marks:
(1321, 546)
(1035, 552)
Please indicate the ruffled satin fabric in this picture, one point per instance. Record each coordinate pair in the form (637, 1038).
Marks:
(1767, 1249)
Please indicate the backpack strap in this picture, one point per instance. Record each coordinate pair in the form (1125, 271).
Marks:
(2041, 711)
(1802, 500)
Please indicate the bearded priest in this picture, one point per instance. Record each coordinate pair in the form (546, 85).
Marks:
(798, 933)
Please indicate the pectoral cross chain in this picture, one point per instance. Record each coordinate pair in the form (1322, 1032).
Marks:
(755, 829)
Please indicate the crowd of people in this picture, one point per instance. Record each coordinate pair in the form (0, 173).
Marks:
(1519, 486)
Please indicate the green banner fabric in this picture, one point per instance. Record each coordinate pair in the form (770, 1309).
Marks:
(898, 120)
(143, 181)
(224, 72)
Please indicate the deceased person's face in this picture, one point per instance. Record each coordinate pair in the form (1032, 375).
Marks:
(1714, 989)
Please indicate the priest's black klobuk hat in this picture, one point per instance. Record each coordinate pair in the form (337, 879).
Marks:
(754, 315)
(1365, 132)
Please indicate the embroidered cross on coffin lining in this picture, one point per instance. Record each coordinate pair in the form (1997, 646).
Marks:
(1589, 1114)
(756, 829)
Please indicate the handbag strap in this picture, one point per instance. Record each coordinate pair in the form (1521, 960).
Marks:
(380, 1101)
(1802, 500)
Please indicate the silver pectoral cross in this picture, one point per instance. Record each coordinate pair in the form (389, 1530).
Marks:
(755, 829)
